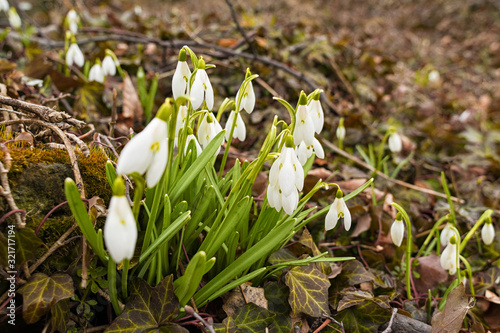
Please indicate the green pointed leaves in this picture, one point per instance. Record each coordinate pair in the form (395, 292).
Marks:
(308, 290)
(42, 292)
(149, 309)
(186, 285)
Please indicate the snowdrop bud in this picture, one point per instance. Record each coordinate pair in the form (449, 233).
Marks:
(446, 234)
(304, 125)
(120, 230)
(341, 130)
(240, 131)
(488, 232)
(14, 19)
(316, 112)
(202, 88)
(208, 129)
(96, 73)
(74, 56)
(72, 20)
(180, 80)
(449, 256)
(248, 98)
(398, 230)
(337, 210)
(395, 144)
(108, 66)
(4, 6)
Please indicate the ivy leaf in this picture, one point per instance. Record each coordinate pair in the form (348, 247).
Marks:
(280, 256)
(307, 240)
(149, 309)
(253, 318)
(41, 292)
(352, 297)
(363, 318)
(452, 316)
(308, 290)
(277, 296)
(26, 246)
(60, 316)
(353, 273)
(227, 326)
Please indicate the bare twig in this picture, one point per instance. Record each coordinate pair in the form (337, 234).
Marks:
(396, 181)
(339, 323)
(82, 145)
(393, 315)
(209, 325)
(240, 28)
(5, 187)
(114, 115)
(43, 112)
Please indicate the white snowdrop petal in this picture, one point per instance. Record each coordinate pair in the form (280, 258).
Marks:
(136, 155)
(158, 164)
(331, 218)
(286, 178)
(488, 233)
(197, 93)
(397, 232)
(318, 149)
(249, 99)
(290, 202)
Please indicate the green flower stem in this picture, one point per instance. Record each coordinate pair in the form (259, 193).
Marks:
(431, 234)
(448, 197)
(457, 234)
(124, 278)
(476, 226)
(409, 245)
(381, 148)
(138, 193)
(469, 270)
(112, 287)
(228, 144)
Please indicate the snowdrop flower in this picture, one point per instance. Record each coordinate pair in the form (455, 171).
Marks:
(202, 89)
(304, 125)
(96, 73)
(286, 180)
(240, 131)
(180, 81)
(14, 19)
(147, 152)
(120, 230)
(449, 256)
(304, 152)
(316, 112)
(108, 66)
(74, 56)
(248, 98)
(395, 144)
(72, 19)
(337, 210)
(398, 230)
(182, 114)
(340, 130)
(488, 232)
(208, 129)
(4, 6)
(190, 138)
(446, 234)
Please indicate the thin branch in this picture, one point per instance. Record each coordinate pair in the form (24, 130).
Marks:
(396, 181)
(240, 28)
(393, 315)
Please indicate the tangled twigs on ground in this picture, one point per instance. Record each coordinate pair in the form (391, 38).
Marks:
(43, 112)
(208, 323)
(5, 187)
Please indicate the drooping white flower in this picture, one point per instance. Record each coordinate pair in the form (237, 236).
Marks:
(395, 143)
(202, 88)
(397, 231)
(147, 152)
(14, 19)
(248, 98)
(180, 81)
(4, 6)
(304, 152)
(108, 66)
(446, 234)
(304, 125)
(337, 210)
(74, 56)
(488, 233)
(286, 180)
(120, 230)
(190, 138)
(181, 119)
(208, 129)
(340, 130)
(316, 112)
(240, 130)
(449, 257)
(96, 73)
(72, 19)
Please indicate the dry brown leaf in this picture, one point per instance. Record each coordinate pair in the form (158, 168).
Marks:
(132, 108)
(242, 295)
(431, 273)
(26, 137)
(450, 320)
(363, 224)
(492, 297)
